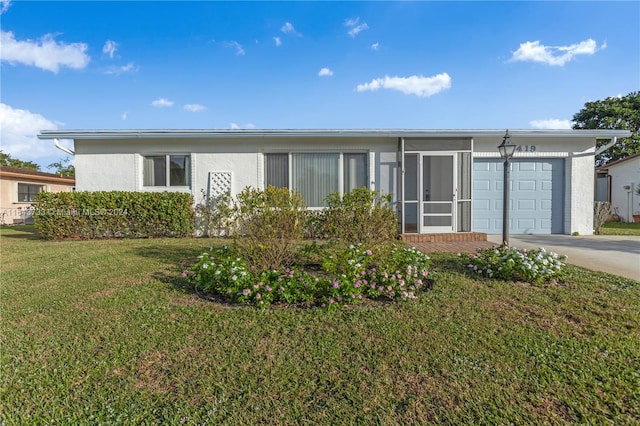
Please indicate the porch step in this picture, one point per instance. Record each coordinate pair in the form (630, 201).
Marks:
(444, 238)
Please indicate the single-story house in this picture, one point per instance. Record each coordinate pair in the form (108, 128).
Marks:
(619, 183)
(441, 181)
(19, 187)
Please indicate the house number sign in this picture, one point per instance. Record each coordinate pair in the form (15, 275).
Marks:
(526, 148)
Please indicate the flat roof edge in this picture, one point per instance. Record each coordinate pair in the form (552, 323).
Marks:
(406, 133)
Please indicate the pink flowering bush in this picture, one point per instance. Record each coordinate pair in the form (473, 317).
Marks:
(349, 275)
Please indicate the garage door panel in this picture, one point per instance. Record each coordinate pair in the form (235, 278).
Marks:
(482, 204)
(526, 167)
(525, 224)
(546, 167)
(481, 166)
(536, 196)
(526, 204)
(482, 185)
(527, 185)
(481, 223)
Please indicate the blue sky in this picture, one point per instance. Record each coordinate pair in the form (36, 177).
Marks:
(433, 65)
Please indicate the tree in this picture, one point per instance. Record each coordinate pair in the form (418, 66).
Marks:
(613, 113)
(8, 161)
(63, 168)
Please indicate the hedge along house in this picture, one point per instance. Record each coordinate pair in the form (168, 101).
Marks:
(441, 181)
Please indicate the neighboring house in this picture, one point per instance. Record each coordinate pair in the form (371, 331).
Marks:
(440, 180)
(619, 183)
(18, 189)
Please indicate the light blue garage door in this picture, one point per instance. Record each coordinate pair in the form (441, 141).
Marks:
(536, 197)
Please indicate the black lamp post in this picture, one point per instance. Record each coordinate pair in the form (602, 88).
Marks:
(506, 149)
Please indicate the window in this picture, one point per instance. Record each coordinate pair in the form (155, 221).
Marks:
(27, 192)
(167, 170)
(316, 175)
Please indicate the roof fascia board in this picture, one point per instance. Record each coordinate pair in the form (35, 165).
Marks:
(184, 134)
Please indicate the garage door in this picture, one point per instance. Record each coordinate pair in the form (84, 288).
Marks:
(536, 197)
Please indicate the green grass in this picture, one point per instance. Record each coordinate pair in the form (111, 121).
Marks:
(620, 228)
(103, 332)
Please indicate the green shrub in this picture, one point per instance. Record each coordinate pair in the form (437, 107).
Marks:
(509, 263)
(215, 216)
(224, 272)
(269, 226)
(113, 214)
(348, 275)
(315, 225)
(361, 216)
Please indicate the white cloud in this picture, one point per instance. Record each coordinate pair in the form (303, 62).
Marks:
(46, 53)
(194, 107)
(550, 123)
(20, 128)
(534, 51)
(277, 41)
(124, 115)
(325, 72)
(4, 6)
(413, 85)
(162, 103)
(124, 69)
(288, 28)
(110, 48)
(236, 126)
(355, 26)
(375, 46)
(234, 44)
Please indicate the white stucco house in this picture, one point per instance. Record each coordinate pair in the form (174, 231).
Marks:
(441, 181)
(619, 182)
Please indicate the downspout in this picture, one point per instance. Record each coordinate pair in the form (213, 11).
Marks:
(611, 143)
(401, 192)
(56, 142)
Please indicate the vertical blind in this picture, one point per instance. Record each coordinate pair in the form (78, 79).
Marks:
(355, 171)
(155, 171)
(277, 170)
(315, 175)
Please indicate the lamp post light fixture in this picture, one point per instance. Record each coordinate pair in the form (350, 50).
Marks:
(506, 149)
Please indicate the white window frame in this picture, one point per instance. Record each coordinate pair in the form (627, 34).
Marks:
(42, 186)
(367, 168)
(188, 173)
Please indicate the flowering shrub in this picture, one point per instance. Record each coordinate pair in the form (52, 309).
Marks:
(222, 271)
(401, 275)
(509, 263)
(348, 276)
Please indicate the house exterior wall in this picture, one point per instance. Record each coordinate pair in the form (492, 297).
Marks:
(14, 211)
(627, 201)
(118, 164)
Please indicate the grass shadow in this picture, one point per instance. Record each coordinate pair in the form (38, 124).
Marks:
(177, 254)
(23, 232)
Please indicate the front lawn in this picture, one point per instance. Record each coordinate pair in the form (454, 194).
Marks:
(99, 332)
(620, 228)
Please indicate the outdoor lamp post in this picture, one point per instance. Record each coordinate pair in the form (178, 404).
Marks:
(506, 149)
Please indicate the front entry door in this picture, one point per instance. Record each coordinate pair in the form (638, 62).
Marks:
(438, 193)
(430, 192)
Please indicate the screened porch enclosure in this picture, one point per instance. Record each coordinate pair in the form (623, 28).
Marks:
(436, 187)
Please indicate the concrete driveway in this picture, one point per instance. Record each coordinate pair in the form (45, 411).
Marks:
(618, 255)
